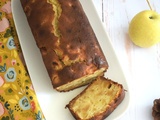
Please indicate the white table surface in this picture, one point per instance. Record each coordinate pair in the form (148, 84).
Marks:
(142, 65)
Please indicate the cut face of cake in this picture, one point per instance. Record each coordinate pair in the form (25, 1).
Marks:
(69, 47)
(97, 101)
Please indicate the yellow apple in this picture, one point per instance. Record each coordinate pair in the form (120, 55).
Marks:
(144, 28)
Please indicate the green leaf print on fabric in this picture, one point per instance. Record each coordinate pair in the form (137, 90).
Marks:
(10, 111)
(5, 118)
(8, 33)
(3, 68)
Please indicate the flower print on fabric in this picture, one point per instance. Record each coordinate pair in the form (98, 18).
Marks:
(4, 24)
(10, 75)
(18, 100)
(24, 103)
(33, 105)
(13, 62)
(7, 7)
(1, 81)
(10, 44)
(1, 109)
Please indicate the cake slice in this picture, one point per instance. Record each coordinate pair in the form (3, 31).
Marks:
(98, 100)
(69, 47)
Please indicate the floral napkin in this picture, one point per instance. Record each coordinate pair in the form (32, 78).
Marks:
(17, 97)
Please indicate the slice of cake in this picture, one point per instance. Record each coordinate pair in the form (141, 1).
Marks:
(97, 101)
(69, 47)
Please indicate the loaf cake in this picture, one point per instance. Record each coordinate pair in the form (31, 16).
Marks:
(98, 100)
(69, 47)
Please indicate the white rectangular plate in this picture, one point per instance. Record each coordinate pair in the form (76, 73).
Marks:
(52, 102)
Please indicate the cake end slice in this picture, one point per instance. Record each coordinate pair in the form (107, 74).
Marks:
(98, 100)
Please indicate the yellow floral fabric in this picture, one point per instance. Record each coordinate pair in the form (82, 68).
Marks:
(17, 97)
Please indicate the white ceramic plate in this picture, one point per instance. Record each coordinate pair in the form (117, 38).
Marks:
(52, 102)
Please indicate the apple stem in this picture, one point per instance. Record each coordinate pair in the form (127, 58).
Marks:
(149, 5)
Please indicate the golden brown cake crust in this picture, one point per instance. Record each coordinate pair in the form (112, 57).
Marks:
(69, 47)
(84, 105)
